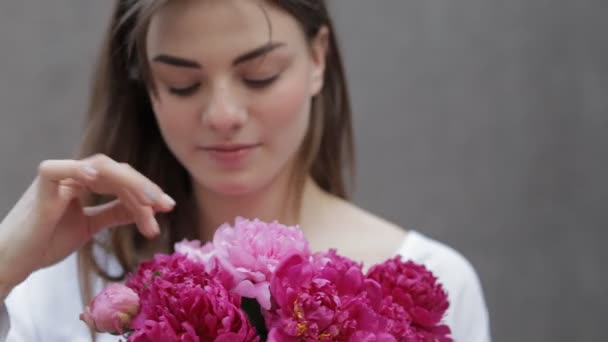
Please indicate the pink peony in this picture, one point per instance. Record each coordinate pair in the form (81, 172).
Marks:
(182, 302)
(245, 256)
(112, 309)
(412, 296)
(194, 250)
(324, 298)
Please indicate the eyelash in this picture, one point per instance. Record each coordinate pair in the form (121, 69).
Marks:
(259, 84)
(183, 92)
(255, 84)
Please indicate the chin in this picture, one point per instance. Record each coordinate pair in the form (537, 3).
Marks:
(236, 183)
(232, 189)
(233, 185)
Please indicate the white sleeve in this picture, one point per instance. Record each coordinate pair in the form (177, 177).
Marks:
(467, 315)
(4, 323)
(468, 312)
(19, 312)
(45, 307)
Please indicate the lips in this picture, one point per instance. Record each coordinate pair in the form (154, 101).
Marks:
(230, 156)
(229, 148)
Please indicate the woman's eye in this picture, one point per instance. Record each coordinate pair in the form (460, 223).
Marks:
(261, 83)
(184, 91)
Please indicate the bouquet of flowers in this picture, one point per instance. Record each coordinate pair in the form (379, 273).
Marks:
(259, 281)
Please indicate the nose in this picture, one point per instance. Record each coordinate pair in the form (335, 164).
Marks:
(224, 114)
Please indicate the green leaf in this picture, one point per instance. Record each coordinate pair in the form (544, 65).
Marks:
(254, 313)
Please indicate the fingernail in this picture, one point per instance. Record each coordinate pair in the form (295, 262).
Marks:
(89, 170)
(150, 195)
(166, 199)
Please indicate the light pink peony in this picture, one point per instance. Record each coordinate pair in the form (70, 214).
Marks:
(324, 298)
(194, 250)
(245, 256)
(180, 301)
(112, 309)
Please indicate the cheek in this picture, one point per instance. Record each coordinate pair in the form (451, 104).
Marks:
(165, 111)
(286, 108)
(175, 119)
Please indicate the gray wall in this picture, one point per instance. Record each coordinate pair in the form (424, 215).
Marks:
(481, 123)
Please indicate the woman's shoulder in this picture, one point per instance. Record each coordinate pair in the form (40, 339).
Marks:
(386, 239)
(454, 271)
(437, 256)
(357, 233)
(371, 239)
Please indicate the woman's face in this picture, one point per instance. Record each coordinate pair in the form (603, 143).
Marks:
(234, 83)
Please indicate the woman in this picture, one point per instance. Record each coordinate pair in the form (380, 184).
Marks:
(202, 111)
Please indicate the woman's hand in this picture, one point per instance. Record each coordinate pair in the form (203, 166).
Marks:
(49, 222)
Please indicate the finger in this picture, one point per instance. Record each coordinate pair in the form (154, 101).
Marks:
(105, 176)
(78, 190)
(51, 173)
(107, 215)
(58, 170)
(69, 188)
(113, 176)
(143, 215)
(117, 213)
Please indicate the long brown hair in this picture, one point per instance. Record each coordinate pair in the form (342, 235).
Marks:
(121, 125)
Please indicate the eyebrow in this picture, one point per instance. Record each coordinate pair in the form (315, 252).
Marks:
(187, 63)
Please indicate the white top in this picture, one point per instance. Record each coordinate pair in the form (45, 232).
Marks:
(46, 306)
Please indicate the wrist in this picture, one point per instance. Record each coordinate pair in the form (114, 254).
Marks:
(5, 289)
(7, 281)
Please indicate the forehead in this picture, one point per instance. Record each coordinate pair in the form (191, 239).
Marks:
(202, 26)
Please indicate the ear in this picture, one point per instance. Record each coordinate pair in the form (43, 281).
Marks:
(319, 49)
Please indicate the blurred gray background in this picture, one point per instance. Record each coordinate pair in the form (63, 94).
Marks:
(481, 123)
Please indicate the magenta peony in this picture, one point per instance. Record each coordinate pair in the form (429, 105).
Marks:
(112, 309)
(324, 298)
(414, 302)
(244, 257)
(182, 302)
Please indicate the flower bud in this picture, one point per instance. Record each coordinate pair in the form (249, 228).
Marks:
(112, 309)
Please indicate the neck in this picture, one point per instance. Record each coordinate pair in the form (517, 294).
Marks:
(273, 202)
